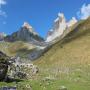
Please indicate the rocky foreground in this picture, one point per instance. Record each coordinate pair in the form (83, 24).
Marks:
(3, 65)
(13, 68)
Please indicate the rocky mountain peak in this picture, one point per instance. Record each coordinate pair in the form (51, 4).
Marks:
(60, 18)
(60, 25)
(72, 22)
(27, 25)
(25, 33)
(2, 35)
(61, 15)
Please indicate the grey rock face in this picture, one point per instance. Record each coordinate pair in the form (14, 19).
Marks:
(2, 35)
(25, 33)
(3, 71)
(60, 25)
(3, 66)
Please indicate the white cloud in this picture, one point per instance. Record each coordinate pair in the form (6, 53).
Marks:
(2, 2)
(2, 13)
(4, 22)
(84, 12)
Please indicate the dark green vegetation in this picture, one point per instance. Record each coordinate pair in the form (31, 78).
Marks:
(67, 63)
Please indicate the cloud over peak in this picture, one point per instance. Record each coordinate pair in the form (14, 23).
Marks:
(84, 12)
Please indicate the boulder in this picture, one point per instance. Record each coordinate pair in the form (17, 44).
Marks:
(3, 65)
(62, 88)
(20, 75)
(3, 71)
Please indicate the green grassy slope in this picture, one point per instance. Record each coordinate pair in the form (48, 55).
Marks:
(69, 60)
(18, 47)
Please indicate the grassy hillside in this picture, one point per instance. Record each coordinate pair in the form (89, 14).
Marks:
(18, 47)
(69, 60)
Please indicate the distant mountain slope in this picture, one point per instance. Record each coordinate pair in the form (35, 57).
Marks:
(26, 33)
(16, 48)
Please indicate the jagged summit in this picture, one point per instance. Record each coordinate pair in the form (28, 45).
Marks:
(60, 17)
(27, 25)
(60, 25)
(72, 22)
(2, 35)
(25, 33)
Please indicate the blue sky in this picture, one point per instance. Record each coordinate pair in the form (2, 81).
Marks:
(38, 13)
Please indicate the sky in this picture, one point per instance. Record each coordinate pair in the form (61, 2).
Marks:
(40, 14)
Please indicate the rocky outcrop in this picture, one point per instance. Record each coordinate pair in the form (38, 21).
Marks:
(2, 35)
(3, 71)
(3, 66)
(21, 69)
(25, 33)
(60, 25)
(72, 22)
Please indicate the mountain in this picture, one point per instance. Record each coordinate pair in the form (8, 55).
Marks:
(68, 60)
(2, 35)
(60, 25)
(26, 43)
(63, 61)
(25, 33)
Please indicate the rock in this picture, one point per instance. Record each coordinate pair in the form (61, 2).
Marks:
(25, 33)
(72, 22)
(3, 71)
(29, 87)
(3, 65)
(22, 70)
(35, 70)
(20, 75)
(2, 35)
(62, 88)
(48, 79)
(60, 25)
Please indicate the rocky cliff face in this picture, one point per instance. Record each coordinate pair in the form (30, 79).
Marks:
(25, 33)
(60, 25)
(2, 35)
(72, 22)
(3, 65)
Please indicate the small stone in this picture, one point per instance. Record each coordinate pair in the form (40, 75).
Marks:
(62, 88)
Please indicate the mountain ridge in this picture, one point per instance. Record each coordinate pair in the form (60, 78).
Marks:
(25, 33)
